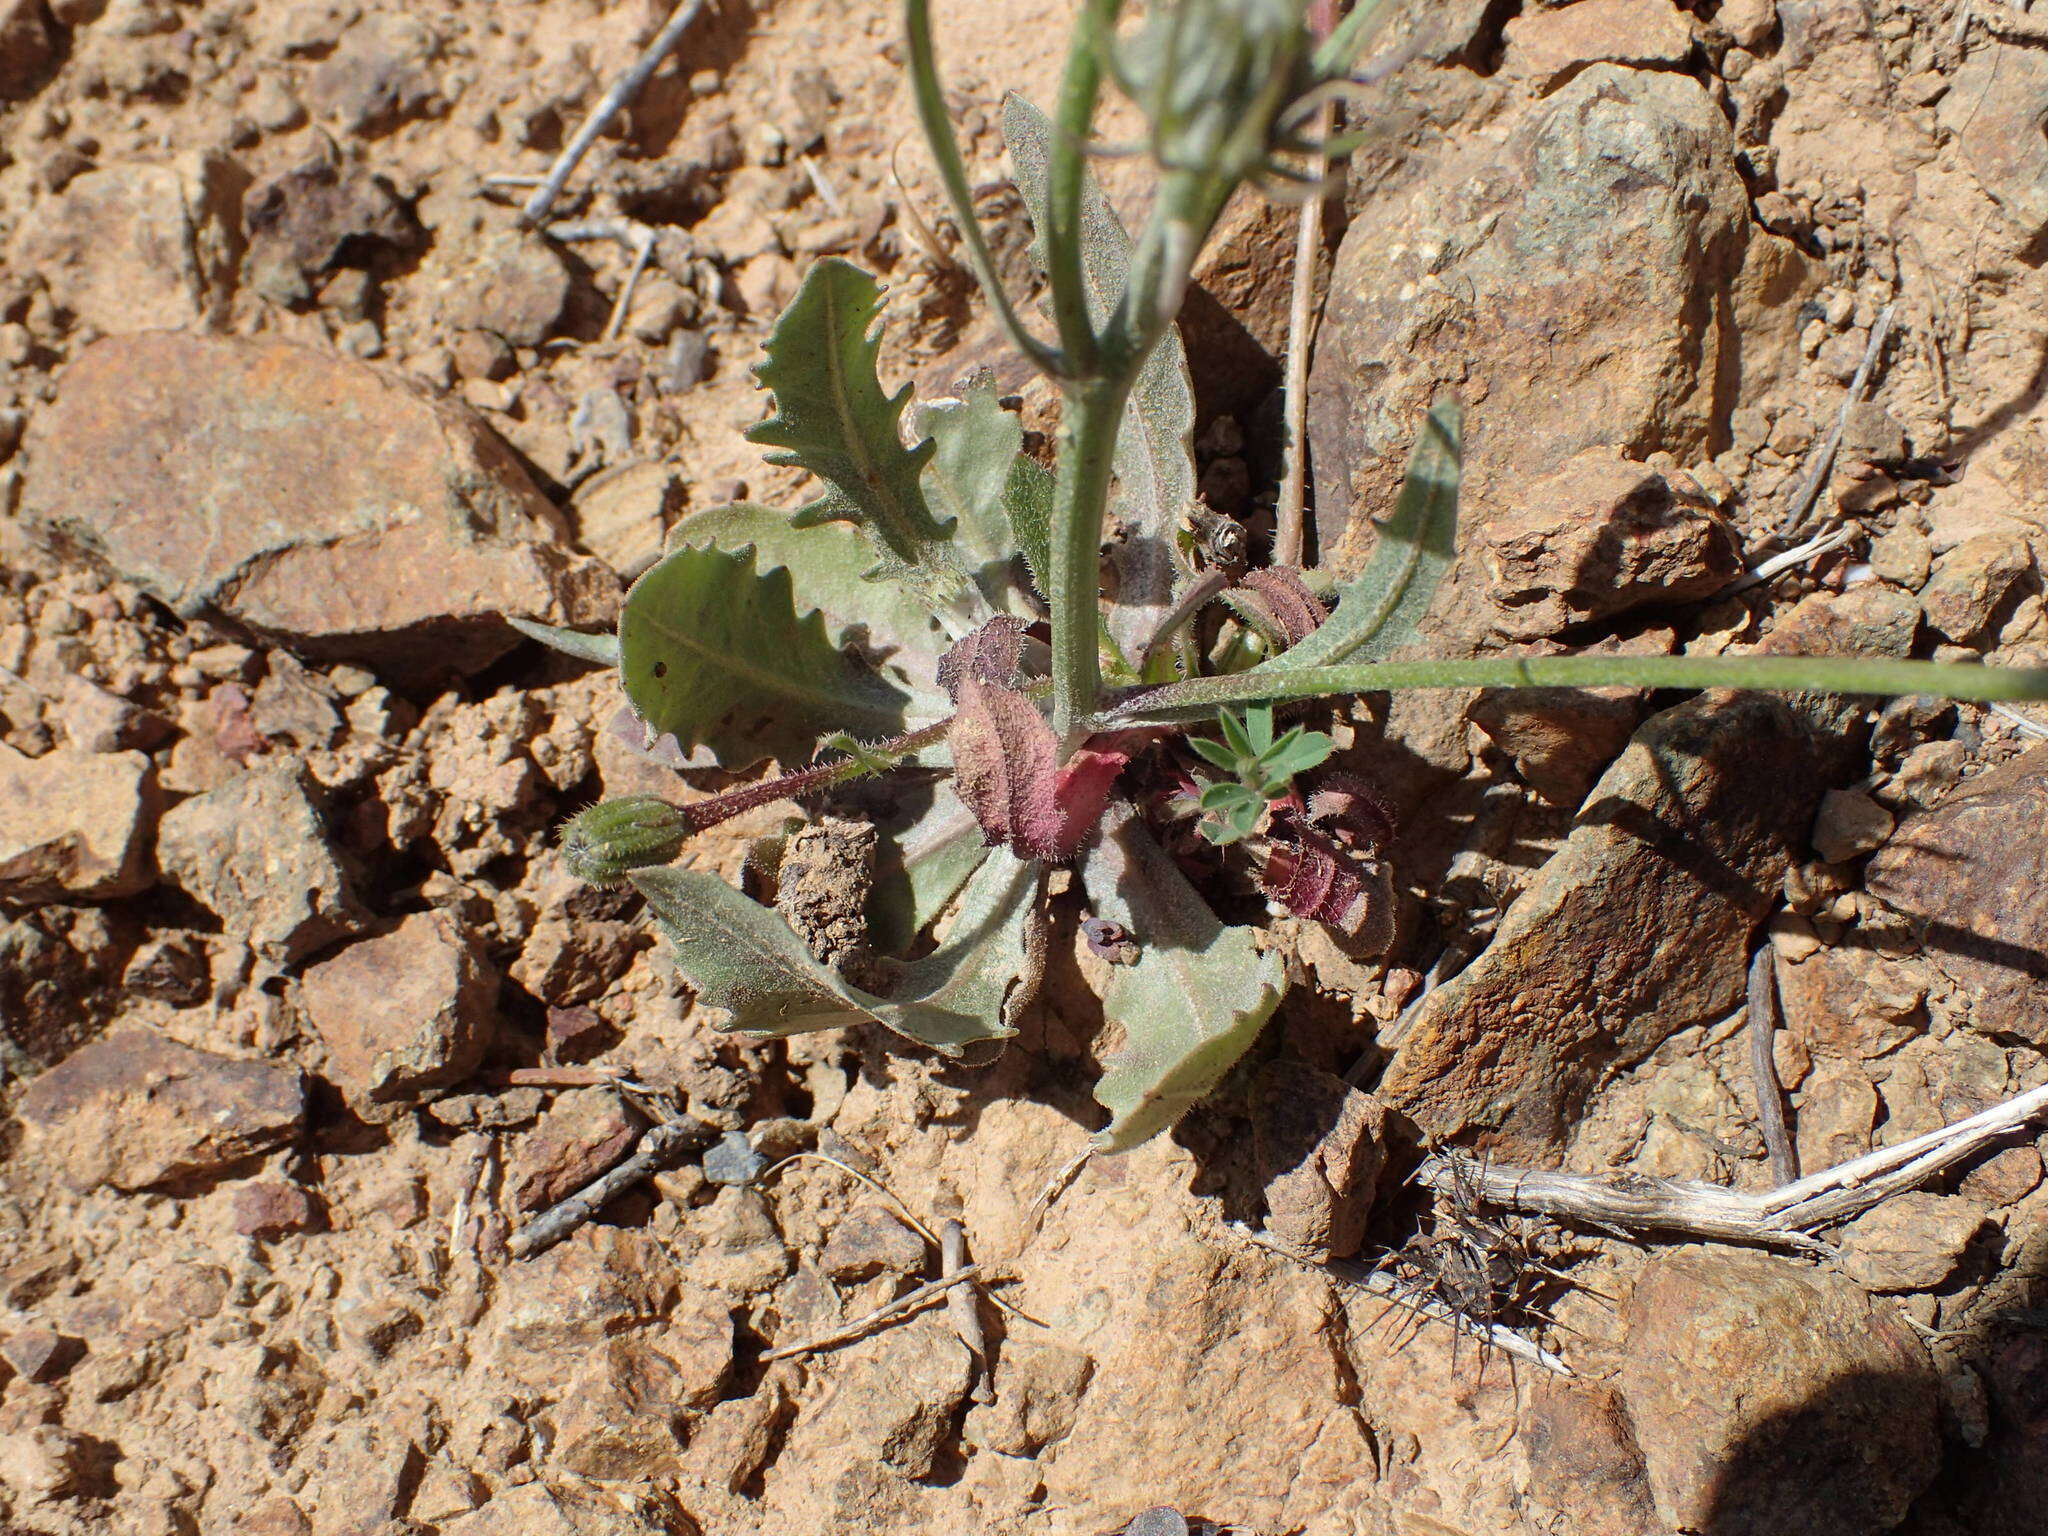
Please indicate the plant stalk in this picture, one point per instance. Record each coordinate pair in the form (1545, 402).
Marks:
(1080, 87)
(1094, 413)
(1174, 702)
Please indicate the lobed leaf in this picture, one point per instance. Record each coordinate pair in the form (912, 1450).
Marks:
(1193, 1001)
(743, 958)
(832, 418)
(980, 477)
(1381, 610)
(712, 650)
(1155, 459)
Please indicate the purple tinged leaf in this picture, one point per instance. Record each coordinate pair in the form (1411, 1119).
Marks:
(1353, 812)
(991, 655)
(1006, 765)
(1278, 603)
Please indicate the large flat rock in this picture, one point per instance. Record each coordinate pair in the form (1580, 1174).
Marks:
(322, 503)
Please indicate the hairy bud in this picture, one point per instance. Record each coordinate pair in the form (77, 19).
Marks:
(606, 842)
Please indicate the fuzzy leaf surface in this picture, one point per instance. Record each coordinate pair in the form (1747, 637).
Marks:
(832, 418)
(744, 958)
(828, 566)
(713, 650)
(1155, 457)
(1192, 1003)
(980, 477)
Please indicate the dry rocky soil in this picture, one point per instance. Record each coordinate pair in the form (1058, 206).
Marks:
(301, 1018)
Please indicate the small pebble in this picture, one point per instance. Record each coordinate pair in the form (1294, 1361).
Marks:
(734, 1161)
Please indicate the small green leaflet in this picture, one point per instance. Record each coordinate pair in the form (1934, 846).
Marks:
(832, 419)
(1155, 459)
(712, 649)
(1192, 1004)
(1380, 611)
(602, 649)
(743, 958)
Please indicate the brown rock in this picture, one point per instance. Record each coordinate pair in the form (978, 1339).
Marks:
(40, 1354)
(317, 500)
(1996, 106)
(1613, 207)
(1318, 1144)
(871, 1242)
(583, 1134)
(1548, 47)
(272, 1210)
(405, 1013)
(1561, 739)
(1912, 1242)
(140, 247)
(1853, 1004)
(94, 720)
(1597, 538)
(618, 1420)
(27, 46)
(623, 514)
(1836, 1113)
(602, 1282)
(1972, 583)
(75, 824)
(1769, 1397)
(135, 1109)
(378, 75)
(172, 968)
(1638, 927)
(576, 1509)
(255, 852)
(1971, 875)
(893, 1398)
(320, 215)
(1584, 1462)
(49, 1462)
(1849, 824)
(1038, 1394)
(584, 941)
(732, 1443)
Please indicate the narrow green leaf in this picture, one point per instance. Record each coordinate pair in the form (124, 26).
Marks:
(832, 418)
(1258, 726)
(832, 569)
(1179, 702)
(743, 958)
(602, 649)
(1192, 1004)
(1215, 752)
(1217, 796)
(1234, 733)
(1155, 459)
(712, 649)
(1380, 611)
(1028, 494)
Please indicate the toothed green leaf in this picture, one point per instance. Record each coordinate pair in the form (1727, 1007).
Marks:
(743, 958)
(1190, 1006)
(1380, 611)
(1155, 458)
(832, 418)
(713, 649)
(828, 566)
(975, 478)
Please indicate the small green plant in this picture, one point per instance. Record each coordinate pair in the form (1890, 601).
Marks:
(946, 609)
(1261, 770)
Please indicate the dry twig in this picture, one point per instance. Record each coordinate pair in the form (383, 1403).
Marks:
(901, 1307)
(665, 1141)
(1824, 461)
(609, 106)
(1288, 533)
(961, 1311)
(1763, 1064)
(636, 237)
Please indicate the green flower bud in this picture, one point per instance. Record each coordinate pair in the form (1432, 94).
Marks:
(611, 838)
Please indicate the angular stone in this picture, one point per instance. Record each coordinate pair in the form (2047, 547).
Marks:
(1638, 927)
(617, 1420)
(140, 247)
(404, 1013)
(1597, 538)
(271, 1210)
(623, 514)
(1853, 1004)
(1612, 208)
(1971, 584)
(134, 1110)
(576, 1509)
(378, 75)
(1548, 47)
(1849, 824)
(255, 852)
(40, 1354)
(601, 1282)
(335, 508)
(75, 825)
(1561, 739)
(59, 980)
(1317, 1141)
(1997, 107)
(1583, 1459)
(585, 1132)
(1038, 1394)
(45, 1461)
(894, 1397)
(1911, 1242)
(1971, 876)
(871, 1242)
(320, 215)
(27, 45)
(1769, 1397)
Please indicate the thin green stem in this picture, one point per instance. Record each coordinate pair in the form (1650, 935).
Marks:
(945, 149)
(1094, 413)
(1783, 674)
(1080, 87)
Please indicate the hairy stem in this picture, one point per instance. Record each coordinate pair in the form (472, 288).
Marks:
(713, 809)
(1075, 120)
(938, 133)
(1784, 674)
(1094, 413)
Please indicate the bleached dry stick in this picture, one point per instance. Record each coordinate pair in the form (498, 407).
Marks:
(1402, 1294)
(1763, 1064)
(608, 107)
(902, 1306)
(1824, 461)
(665, 1141)
(1783, 1217)
(961, 1310)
